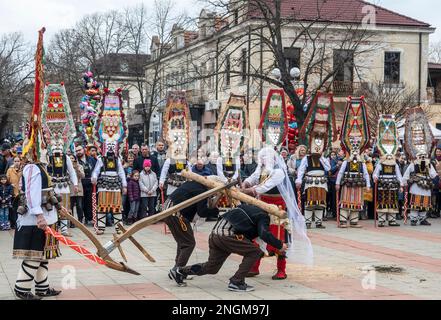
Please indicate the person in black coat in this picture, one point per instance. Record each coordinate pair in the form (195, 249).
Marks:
(234, 233)
(138, 164)
(88, 163)
(180, 223)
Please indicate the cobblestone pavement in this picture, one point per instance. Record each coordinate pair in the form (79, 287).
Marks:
(343, 268)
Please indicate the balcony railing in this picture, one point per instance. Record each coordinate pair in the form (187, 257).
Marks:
(345, 88)
(195, 96)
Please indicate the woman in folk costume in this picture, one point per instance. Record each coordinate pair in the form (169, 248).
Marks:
(418, 143)
(319, 131)
(353, 176)
(109, 176)
(176, 128)
(59, 129)
(387, 175)
(270, 183)
(37, 207)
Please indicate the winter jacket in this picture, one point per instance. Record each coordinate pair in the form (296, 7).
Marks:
(6, 194)
(138, 164)
(252, 222)
(148, 183)
(188, 190)
(14, 177)
(205, 172)
(133, 190)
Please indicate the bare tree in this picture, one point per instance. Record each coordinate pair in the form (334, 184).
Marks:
(384, 98)
(136, 22)
(15, 76)
(264, 32)
(65, 63)
(435, 52)
(88, 46)
(163, 22)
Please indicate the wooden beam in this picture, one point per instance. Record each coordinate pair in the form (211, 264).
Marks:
(236, 194)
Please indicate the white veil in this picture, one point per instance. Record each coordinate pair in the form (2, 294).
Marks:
(300, 248)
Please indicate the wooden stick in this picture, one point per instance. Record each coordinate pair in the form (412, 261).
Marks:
(137, 244)
(101, 251)
(121, 252)
(236, 194)
(109, 247)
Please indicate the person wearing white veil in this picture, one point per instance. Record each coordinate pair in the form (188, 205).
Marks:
(271, 184)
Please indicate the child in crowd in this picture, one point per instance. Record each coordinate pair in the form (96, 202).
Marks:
(134, 194)
(148, 184)
(6, 194)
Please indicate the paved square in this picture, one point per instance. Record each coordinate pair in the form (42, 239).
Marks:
(344, 260)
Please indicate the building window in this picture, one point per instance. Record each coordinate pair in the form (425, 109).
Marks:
(244, 64)
(392, 67)
(292, 57)
(124, 67)
(227, 70)
(344, 65)
(438, 126)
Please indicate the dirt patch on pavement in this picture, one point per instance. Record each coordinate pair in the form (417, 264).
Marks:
(389, 269)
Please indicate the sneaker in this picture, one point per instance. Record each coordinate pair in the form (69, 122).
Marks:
(177, 276)
(320, 226)
(26, 296)
(394, 224)
(425, 223)
(413, 223)
(355, 225)
(381, 225)
(308, 226)
(243, 287)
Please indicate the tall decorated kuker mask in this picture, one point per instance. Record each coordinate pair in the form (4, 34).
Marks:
(418, 137)
(355, 127)
(319, 130)
(387, 138)
(176, 125)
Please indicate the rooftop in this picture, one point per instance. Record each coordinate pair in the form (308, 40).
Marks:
(341, 11)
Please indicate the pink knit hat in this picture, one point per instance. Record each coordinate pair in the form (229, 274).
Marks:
(147, 163)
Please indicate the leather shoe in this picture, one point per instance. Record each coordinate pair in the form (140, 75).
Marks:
(26, 296)
(51, 292)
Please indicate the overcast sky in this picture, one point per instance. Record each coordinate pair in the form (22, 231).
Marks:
(28, 16)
